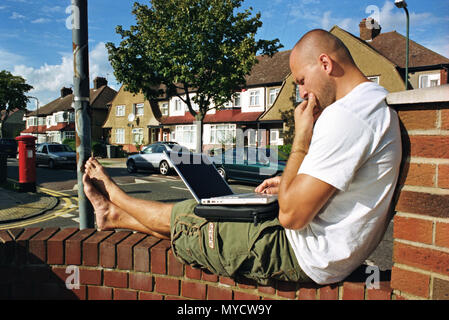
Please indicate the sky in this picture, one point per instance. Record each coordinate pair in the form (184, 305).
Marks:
(36, 43)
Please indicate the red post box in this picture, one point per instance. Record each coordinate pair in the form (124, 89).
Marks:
(27, 163)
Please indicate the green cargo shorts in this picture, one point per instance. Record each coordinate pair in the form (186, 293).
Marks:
(233, 249)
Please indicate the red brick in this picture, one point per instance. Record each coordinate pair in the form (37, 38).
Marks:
(142, 254)
(267, 289)
(118, 279)
(55, 245)
(442, 234)
(81, 293)
(440, 289)
(410, 282)
(383, 293)
(433, 205)
(108, 249)
(38, 246)
(353, 291)
(286, 289)
(443, 176)
(245, 283)
(429, 146)
(59, 274)
(22, 243)
(175, 268)
(193, 290)
(206, 275)
(99, 293)
(90, 276)
(91, 248)
(167, 286)
(140, 281)
(226, 281)
(193, 273)
(307, 294)
(216, 293)
(420, 174)
(150, 296)
(245, 296)
(125, 251)
(445, 119)
(422, 258)
(73, 246)
(159, 257)
(329, 292)
(418, 119)
(125, 294)
(412, 229)
(174, 298)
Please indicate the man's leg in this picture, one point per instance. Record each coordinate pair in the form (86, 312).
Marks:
(151, 217)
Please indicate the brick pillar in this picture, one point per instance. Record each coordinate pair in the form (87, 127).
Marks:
(421, 224)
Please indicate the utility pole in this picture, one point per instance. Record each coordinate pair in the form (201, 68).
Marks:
(81, 105)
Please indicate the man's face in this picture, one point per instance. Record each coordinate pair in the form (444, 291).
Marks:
(311, 78)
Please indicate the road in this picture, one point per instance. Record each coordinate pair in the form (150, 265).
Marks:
(62, 183)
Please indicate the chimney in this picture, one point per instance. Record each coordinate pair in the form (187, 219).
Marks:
(99, 82)
(369, 29)
(65, 92)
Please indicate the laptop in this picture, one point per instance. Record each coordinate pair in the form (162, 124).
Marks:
(207, 186)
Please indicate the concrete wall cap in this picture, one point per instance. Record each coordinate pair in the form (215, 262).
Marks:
(425, 95)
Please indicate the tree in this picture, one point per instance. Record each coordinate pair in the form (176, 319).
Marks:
(12, 95)
(181, 47)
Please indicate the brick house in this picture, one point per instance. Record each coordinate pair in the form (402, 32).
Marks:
(55, 121)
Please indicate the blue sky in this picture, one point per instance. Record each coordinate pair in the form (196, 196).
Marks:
(36, 44)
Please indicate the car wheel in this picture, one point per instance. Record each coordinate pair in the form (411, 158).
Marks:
(131, 166)
(222, 173)
(164, 168)
(51, 164)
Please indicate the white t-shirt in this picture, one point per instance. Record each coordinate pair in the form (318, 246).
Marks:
(355, 147)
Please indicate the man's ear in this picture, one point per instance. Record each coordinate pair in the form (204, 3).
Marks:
(326, 63)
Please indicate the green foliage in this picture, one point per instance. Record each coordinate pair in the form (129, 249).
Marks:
(12, 94)
(71, 143)
(182, 45)
(286, 148)
(98, 148)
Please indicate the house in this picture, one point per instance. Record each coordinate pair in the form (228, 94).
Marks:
(55, 121)
(13, 124)
(131, 121)
(381, 57)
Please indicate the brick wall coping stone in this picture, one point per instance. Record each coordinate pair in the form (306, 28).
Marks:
(416, 96)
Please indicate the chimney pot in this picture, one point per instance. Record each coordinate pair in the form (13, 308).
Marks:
(65, 92)
(99, 82)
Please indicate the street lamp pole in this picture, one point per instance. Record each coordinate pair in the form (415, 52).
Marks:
(402, 4)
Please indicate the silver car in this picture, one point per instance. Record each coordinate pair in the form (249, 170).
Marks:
(153, 157)
(54, 155)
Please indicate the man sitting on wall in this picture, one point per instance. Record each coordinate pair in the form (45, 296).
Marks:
(334, 194)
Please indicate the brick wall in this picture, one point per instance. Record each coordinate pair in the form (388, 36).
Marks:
(421, 223)
(124, 265)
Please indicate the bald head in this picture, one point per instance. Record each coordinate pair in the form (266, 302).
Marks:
(318, 41)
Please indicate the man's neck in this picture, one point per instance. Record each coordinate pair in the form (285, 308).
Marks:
(348, 83)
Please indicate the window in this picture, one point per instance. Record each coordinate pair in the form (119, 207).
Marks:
(222, 134)
(41, 121)
(120, 136)
(164, 109)
(137, 136)
(138, 109)
(273, 93)
(254, 98)
(276, 137)
(374, 79)
(297, 94)
(237, 100)
(32, 122)
(71, 116)
(60, 117)
(69, 135)
(120, 111)
(186, 134)
(429, 80)
(178, 105)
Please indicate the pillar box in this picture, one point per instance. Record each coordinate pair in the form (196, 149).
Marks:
(27, 163)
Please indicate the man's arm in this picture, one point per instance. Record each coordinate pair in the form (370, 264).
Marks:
(301, 196)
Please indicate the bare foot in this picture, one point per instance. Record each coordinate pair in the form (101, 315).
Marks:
(102, 207)
(100, 178)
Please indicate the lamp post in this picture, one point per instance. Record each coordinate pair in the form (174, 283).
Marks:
(402, 4)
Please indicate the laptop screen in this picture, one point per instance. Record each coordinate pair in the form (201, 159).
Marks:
(200, 176)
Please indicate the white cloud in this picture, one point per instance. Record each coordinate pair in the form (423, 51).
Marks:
(16, 16)
(48, 80)
(9, 60)
(41, 20)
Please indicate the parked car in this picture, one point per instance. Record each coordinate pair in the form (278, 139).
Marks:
(8, 147)
(55, 155)
(153, 157)
(249, 163)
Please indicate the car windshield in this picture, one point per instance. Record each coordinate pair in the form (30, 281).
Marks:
(59, 148)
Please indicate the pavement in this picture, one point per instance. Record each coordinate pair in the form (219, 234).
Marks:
(18, 206)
